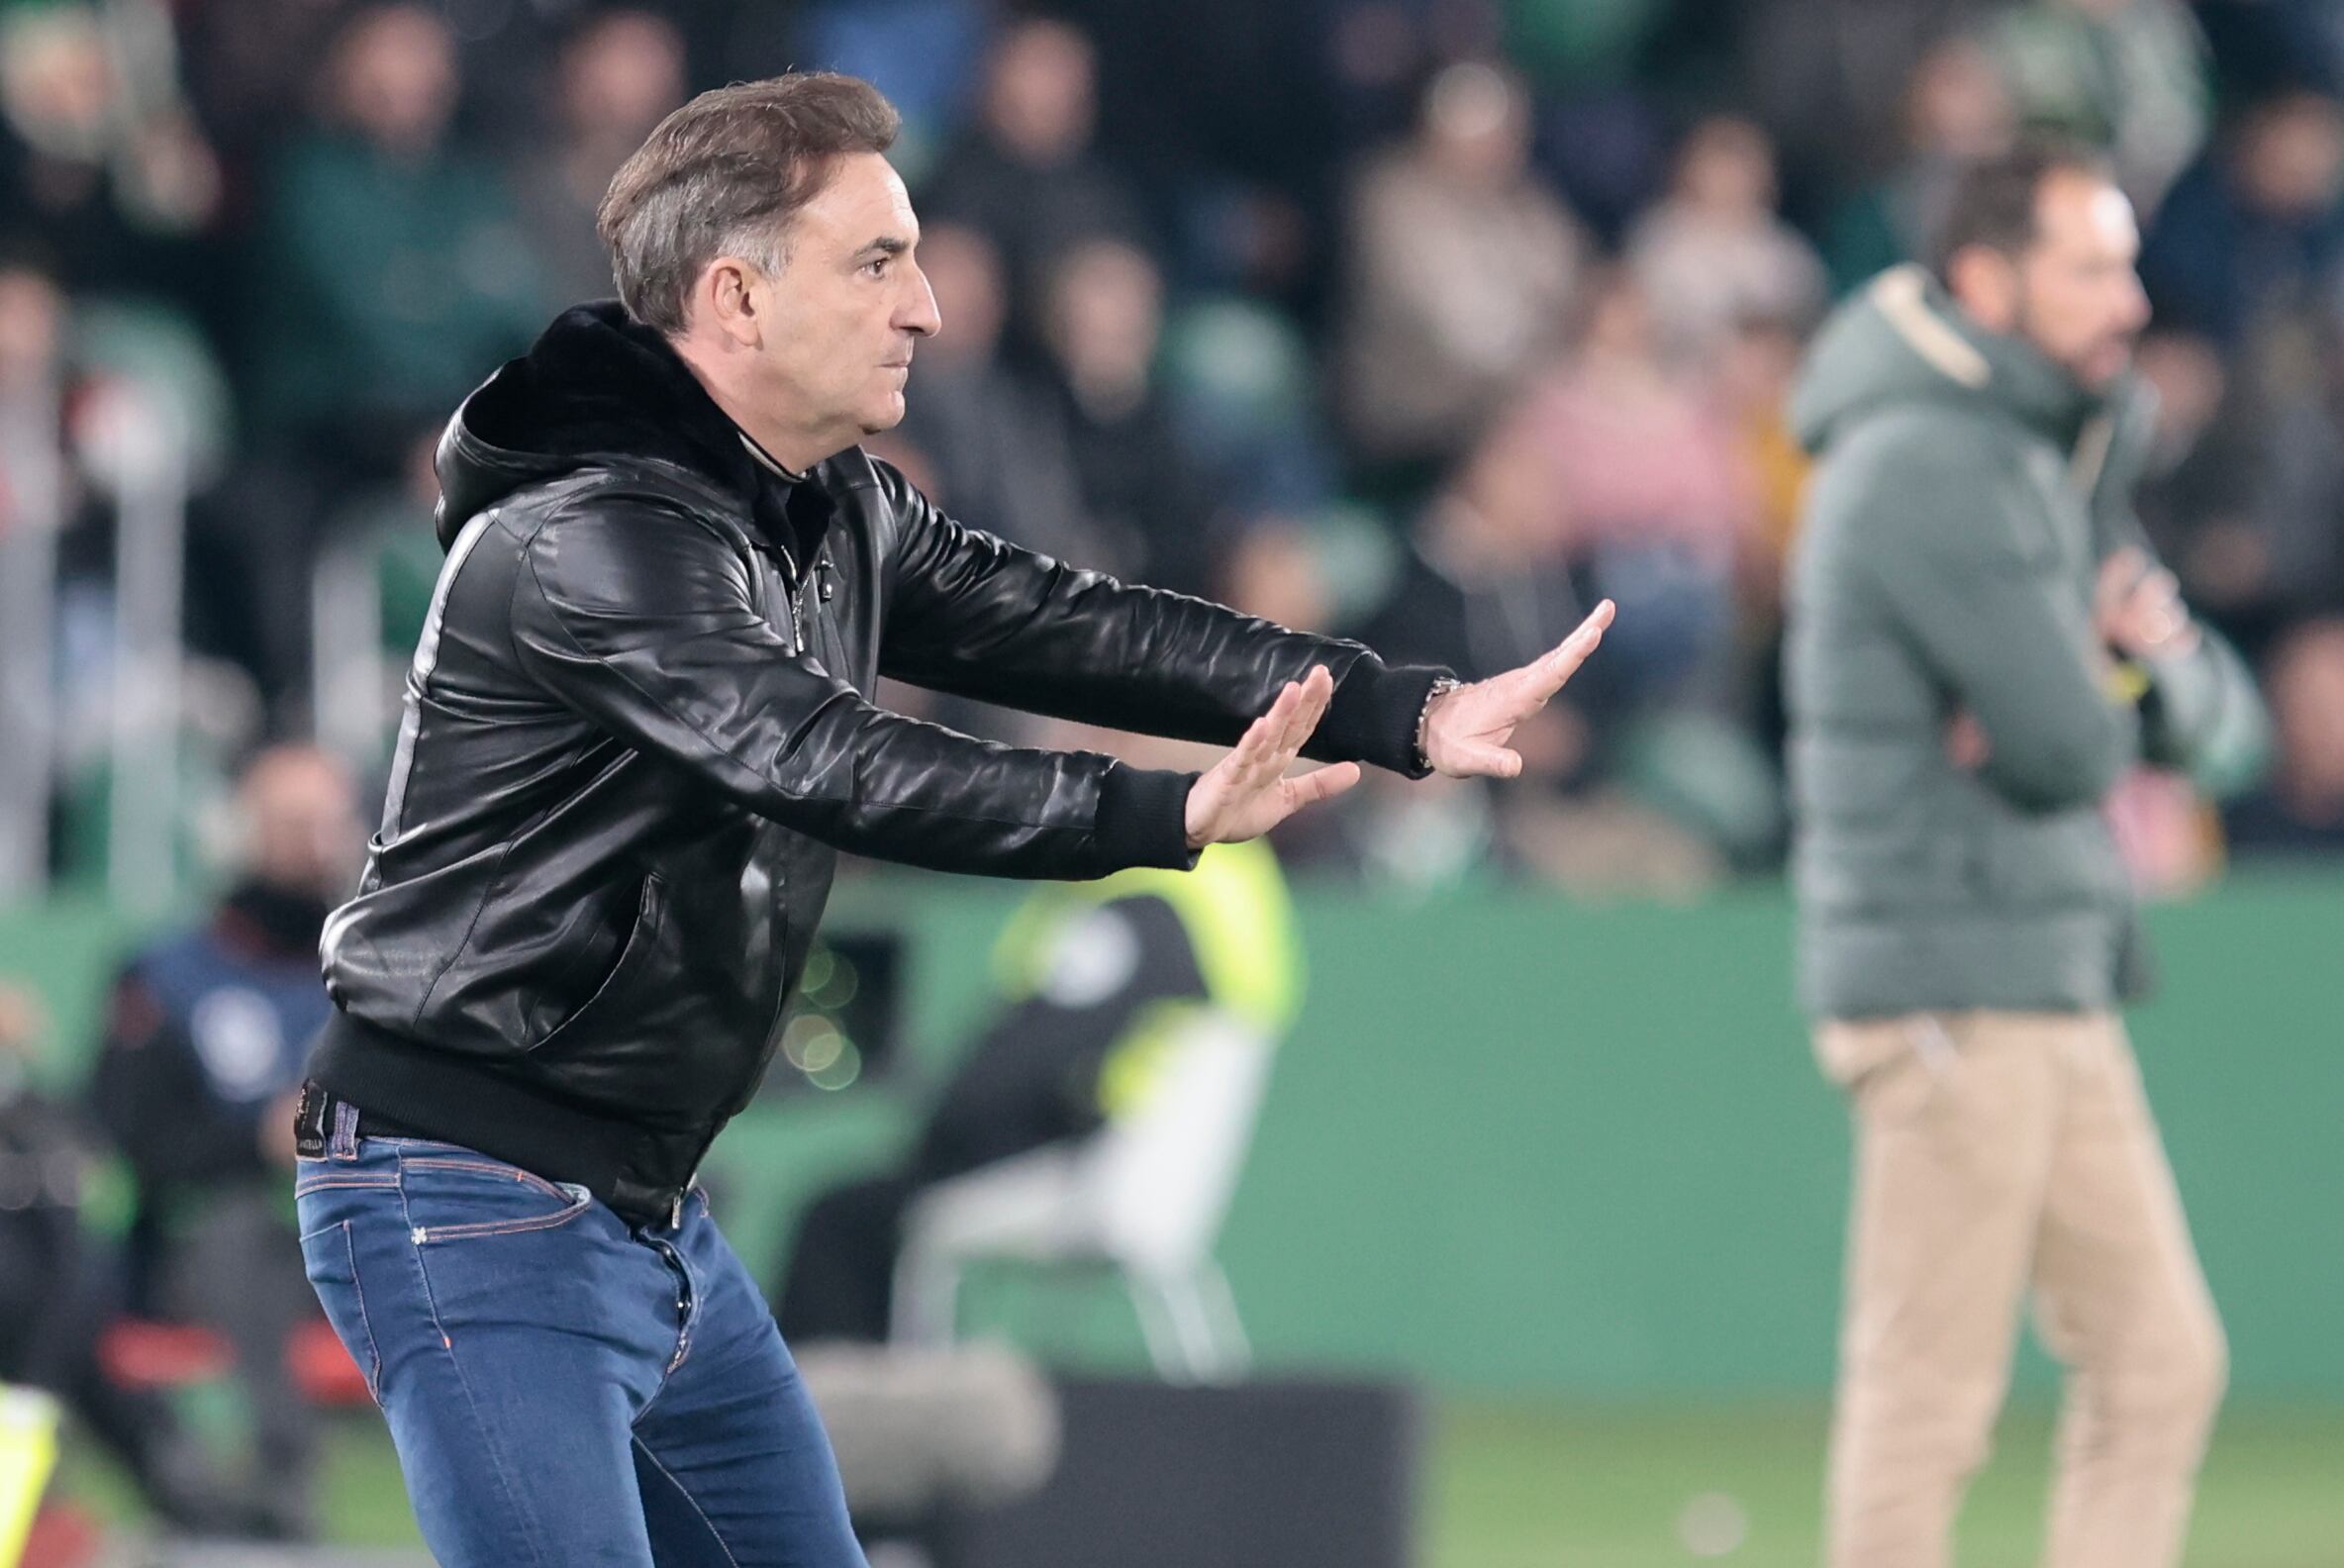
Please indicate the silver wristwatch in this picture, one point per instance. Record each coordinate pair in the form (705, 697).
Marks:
(1441, 686)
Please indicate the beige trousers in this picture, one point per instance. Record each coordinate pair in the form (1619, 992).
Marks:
(2001, 1155)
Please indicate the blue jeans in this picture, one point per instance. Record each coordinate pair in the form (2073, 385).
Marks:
(565, 1390)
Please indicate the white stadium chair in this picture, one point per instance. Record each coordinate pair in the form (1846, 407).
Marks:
(1144, 1196)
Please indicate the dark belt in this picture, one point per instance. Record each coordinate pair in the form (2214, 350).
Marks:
(314, 1117)
(320, 1108)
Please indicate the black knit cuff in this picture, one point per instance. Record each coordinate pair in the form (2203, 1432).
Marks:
(1143, 819)
(1373, 716)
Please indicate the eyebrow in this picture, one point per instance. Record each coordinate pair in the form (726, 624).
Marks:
(886, 245)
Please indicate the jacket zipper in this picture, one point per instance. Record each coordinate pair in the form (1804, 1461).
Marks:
(800, 640)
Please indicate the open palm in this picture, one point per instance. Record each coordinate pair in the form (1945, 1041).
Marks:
(1247, 793)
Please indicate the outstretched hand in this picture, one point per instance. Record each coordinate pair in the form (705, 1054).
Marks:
(1247, 793)
(1466, 730)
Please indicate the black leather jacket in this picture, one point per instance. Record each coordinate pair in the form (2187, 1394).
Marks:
(638, 729)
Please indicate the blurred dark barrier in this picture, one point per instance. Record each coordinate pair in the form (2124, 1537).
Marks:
(1274, 1475)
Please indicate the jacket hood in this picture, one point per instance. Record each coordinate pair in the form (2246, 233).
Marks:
(595, 384)
(1902, 340)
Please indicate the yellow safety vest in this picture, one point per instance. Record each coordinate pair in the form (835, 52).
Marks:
(1241, 923)
(28, 1453)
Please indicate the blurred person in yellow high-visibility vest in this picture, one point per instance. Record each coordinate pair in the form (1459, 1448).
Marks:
(1094, 983)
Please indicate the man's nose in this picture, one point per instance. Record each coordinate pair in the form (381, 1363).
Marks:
(921, 316)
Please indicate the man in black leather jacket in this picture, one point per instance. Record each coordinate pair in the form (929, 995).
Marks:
(638, 729)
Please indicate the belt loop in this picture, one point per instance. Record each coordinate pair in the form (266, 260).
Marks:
(344, 1144)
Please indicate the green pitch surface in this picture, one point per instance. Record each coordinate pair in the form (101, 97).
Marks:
(1554, 1486)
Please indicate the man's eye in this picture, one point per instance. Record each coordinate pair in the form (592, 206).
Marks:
(877, 265)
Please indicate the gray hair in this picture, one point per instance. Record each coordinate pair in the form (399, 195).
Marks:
(724, 175)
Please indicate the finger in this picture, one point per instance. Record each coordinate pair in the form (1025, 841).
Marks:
(2122, 575)
(1320, 784)
(1239, 766)
(1257, 739)
(1292, 719)
(1312, 693)
(1485, 762)
(1318, 691)
(1295, 705)
(2164, 618)
(1563, 662)
(1265, 734)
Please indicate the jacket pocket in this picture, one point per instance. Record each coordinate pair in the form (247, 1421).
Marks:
(1892, 1069)
(634, 956)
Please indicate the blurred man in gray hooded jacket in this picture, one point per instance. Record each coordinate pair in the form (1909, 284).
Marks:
(1981, 647)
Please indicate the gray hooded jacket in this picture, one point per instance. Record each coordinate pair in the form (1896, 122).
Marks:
(1966, 493)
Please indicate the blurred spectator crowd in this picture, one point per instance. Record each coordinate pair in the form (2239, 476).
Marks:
(1426, 321)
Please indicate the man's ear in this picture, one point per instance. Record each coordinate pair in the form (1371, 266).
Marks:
(1987, 284)
(727, 298)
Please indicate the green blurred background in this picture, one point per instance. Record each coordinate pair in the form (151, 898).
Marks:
(1562, 1163)
(1570, 1166)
